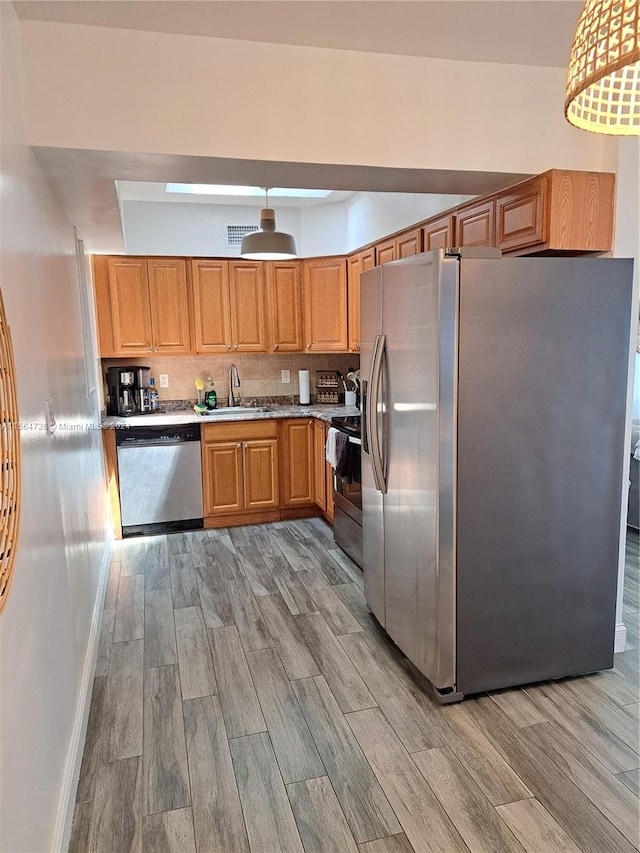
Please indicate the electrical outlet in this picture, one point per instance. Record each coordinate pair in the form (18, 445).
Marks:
(164, 380)
(285, 376)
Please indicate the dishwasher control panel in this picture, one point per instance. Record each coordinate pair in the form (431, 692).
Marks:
(147, 435)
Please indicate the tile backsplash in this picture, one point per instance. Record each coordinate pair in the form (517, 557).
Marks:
(260, 375)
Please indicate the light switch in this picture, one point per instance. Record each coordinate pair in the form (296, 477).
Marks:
(164, 380)
(285, 376)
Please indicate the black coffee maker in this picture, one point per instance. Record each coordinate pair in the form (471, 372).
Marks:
(128, 389)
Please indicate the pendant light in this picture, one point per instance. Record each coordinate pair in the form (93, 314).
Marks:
(267, 244)
(603, 87)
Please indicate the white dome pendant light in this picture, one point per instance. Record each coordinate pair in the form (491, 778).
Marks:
(267, 244)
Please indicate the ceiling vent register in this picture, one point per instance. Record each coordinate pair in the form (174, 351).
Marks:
(236, 233)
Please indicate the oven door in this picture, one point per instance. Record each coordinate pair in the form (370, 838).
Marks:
(347, 501)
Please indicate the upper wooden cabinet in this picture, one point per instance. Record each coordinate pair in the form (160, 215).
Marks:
(284, 302)
(356, 264)
(401, 246)
(557, 211)
(212, 312)
(409, 243)
(521, 215)
(150, 305)
(142, 305)
(325, 304)
(475, 225)
(386, 251)
(439, 233)
(229, 305)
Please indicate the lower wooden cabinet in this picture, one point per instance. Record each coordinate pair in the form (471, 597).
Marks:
(296, 462)
(240, 473)
(261, 471)
(319, 470)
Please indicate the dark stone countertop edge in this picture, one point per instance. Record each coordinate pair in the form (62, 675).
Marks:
(278, 412)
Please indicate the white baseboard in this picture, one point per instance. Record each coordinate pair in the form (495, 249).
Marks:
(64, 819)
(620, 642)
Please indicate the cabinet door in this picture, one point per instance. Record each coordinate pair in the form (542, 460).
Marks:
(439, 234)
(222, 478)
(319, 464)
(129, 304)
(284, 300)
(520, 215)
(296, 448)
(475, 226)
(356, 264)
(325, 304)
(260, 474)
(212, 321)
(170, 314)
(248, 306)
(409, 243)
(386, 251)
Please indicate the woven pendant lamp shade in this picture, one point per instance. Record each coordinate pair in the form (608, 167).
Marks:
(603, 87)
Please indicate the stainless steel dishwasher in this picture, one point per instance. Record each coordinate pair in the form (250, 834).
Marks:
(160, 473)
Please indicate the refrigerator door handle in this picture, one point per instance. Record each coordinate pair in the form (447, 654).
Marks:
(372, 416)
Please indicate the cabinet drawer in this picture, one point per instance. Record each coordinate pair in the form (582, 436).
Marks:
(239, 431)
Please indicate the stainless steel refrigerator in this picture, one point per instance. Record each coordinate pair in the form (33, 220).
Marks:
(492, 462)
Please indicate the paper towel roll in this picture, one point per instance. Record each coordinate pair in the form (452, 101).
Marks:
(303, 377)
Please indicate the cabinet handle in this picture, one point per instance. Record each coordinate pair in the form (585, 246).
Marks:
(245, 445)
(155, 349)
(275, 346)
(228, 346)
(358, 345)
(235, 346)
(239, 445)
(308, 346)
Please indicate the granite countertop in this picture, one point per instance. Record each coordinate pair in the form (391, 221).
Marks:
(276, 411)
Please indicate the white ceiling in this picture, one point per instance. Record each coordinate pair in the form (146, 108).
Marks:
(535, 32)
(525, 32)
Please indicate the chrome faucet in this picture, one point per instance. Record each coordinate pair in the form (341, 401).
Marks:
(234, 382)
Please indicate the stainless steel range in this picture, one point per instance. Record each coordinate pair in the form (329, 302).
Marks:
(347, 490)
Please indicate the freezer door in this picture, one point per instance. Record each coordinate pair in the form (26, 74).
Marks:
(419, 298)
(372, 505)
(544, 347)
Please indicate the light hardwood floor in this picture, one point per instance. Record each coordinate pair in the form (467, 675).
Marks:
(245, 700)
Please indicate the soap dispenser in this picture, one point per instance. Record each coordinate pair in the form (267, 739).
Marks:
(210, 397)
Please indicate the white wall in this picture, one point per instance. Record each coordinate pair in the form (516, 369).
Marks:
(371, 216)
(627, 245)
(176, 228)
(161, 228)
(44, 627)
(323, 230)
(120, 90)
